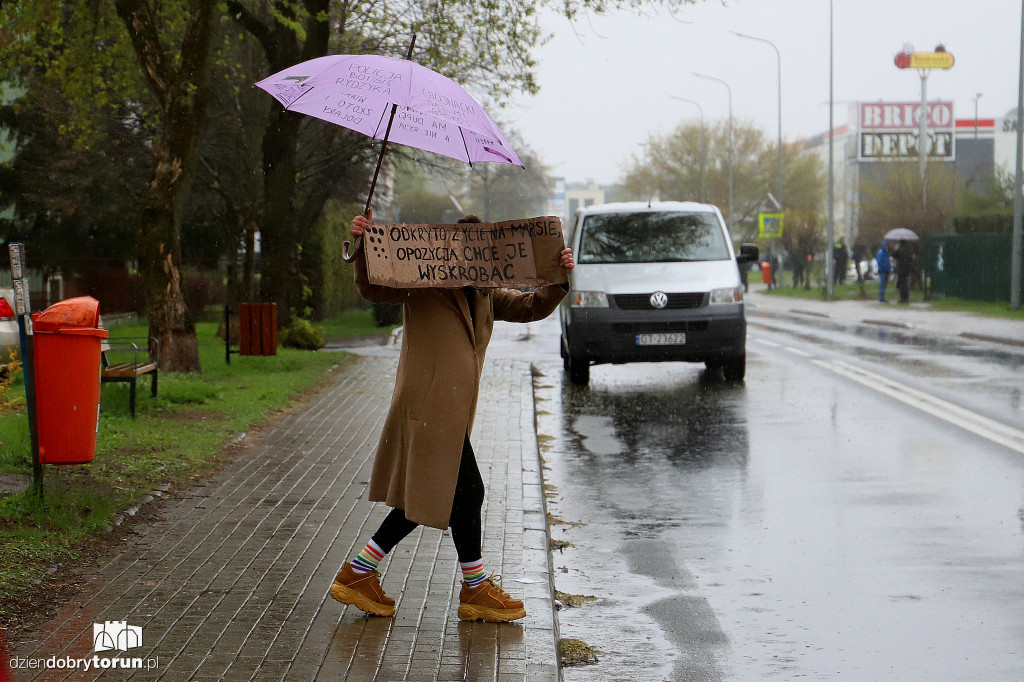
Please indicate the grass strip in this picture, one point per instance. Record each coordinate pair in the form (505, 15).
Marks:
(174, 437)
(353, 323)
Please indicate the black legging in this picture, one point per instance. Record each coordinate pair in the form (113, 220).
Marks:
(467, 529)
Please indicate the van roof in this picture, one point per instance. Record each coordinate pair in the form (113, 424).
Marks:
(644, 206)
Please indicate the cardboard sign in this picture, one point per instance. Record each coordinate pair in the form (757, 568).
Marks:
(514, 253)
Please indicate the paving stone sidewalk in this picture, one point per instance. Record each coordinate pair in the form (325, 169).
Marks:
(231, 584)
(914, 318)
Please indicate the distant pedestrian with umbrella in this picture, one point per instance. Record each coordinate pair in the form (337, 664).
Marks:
(904, 257)
(424, 468)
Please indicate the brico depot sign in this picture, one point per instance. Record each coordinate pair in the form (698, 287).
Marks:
(889, 131)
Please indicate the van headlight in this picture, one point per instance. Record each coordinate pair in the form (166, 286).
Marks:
(589, 299)
(730, 295)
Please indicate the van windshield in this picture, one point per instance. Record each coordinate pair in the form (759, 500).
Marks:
(649, 237)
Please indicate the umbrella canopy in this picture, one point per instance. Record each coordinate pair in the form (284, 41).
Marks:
(901, 234)
(357, 91)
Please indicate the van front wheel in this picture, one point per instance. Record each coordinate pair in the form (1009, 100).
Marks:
(578, 369)
(734, 369)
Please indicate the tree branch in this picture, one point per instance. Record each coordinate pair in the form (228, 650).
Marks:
(145, 39)
(256, 28)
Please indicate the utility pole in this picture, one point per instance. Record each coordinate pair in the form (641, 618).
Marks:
(830, 233)
(922, 135)
(1018, 199)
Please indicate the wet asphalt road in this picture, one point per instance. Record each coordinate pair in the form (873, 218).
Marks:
(852, 511)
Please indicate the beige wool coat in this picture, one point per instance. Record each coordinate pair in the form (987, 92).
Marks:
(434, 401)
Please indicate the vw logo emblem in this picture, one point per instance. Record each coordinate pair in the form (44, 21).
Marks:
(659, 299)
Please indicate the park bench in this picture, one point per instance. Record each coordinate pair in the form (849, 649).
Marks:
(116, 367)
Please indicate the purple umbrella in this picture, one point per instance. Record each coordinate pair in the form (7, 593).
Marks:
(392, 99)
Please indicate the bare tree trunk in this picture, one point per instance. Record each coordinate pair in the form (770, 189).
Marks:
(159, 262)
(179, 86)
(248, 285)
(281, 282)
(281, 227)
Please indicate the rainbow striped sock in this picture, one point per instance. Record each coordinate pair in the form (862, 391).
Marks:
(473, 572)
(368, 559)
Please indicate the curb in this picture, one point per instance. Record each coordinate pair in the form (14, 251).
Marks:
(888, 323)
(1018, 343)
(812, 313)
(533, 491)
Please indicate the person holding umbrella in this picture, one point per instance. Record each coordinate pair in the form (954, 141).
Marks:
(904, 260)
(424, 468)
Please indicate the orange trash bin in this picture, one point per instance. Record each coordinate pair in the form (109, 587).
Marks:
(766, 272)
(66, 340)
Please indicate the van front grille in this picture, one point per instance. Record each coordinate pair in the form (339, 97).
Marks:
(675, 301)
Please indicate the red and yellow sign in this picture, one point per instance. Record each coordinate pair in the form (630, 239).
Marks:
(924, 60)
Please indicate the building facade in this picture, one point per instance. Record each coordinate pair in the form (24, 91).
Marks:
(880, 132)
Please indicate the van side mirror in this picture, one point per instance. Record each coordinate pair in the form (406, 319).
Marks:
(748, 254)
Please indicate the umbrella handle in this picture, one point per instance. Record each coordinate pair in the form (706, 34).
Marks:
(349, 257)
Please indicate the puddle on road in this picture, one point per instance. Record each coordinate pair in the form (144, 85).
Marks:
(602, 444)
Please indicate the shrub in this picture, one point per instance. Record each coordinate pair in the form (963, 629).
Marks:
(387, 314)
(302, 334)
(11, 399)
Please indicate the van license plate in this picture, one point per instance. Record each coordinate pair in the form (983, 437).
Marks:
(660, 339)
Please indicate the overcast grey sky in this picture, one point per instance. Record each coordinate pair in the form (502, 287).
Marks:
(606, 83)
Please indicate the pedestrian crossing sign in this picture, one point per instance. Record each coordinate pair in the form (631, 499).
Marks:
(769, 225)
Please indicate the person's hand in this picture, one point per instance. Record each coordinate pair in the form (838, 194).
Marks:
(565, 259)
(361, 223)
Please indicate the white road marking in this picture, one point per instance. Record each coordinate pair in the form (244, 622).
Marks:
(989, 429)
(797, 351)
(771, 344)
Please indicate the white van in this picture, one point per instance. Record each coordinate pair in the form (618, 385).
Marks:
(654, 282)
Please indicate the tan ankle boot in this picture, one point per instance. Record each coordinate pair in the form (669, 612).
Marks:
(488, 602)
(363, 591)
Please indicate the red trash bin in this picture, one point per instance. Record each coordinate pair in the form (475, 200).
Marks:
(67, 346)
(766, 272)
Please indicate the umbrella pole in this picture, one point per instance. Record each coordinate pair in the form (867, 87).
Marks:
(345, 255)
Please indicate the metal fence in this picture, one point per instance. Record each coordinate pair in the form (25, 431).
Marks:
(971, 266)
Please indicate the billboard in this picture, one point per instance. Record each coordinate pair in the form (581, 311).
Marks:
(889, 131)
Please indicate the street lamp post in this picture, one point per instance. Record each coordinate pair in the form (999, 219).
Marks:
(728, 90)
(778, 63)
(1018, 192)
(703, 148)
(831, 231)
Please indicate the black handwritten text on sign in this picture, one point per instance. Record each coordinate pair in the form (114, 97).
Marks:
(514, 253)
